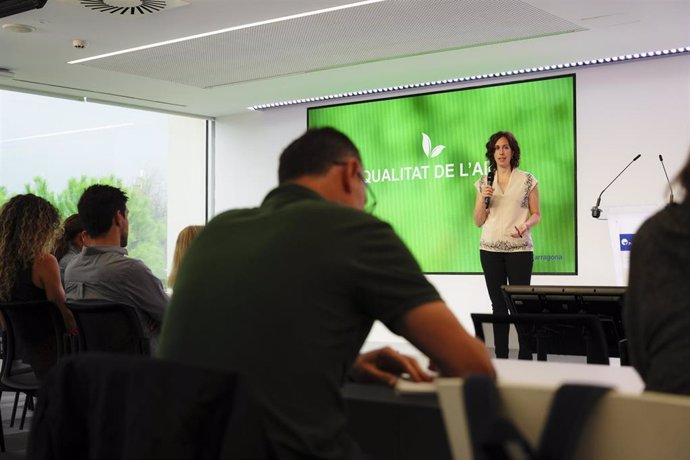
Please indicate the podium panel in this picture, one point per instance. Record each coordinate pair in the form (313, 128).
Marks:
(623, 222)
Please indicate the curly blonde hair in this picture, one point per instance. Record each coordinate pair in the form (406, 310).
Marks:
(29, 227)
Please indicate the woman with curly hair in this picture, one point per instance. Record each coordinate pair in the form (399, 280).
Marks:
(506, 209)
(28, 271)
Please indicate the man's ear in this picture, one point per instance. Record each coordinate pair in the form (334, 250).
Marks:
(348, 171)
(82, 237)
(117, 218)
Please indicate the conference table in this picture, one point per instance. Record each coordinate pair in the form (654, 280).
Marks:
(405, 422)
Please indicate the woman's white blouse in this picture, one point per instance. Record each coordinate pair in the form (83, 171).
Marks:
(508, 209)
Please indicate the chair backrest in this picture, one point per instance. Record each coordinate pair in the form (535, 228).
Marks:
(109, 328)
(568, 334)
(621, 426)
(35, 340)
(114, 406)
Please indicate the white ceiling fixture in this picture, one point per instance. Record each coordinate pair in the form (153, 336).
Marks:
(18, 28)
(128, 8)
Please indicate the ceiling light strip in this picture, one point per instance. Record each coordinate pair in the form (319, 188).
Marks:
(229, 29)
(452, 81)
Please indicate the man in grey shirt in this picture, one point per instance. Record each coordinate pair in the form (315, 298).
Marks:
(102, 271)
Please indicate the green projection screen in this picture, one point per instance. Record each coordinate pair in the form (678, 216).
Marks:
(422, 155)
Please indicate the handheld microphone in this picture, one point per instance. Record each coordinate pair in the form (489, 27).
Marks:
(661, 159)
(596, 210)
(490, 181)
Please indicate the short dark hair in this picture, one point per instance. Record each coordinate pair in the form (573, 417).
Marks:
(314, 153)
(514, 146)
(97, 206)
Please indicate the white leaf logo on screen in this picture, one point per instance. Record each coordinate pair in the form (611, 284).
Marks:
(426, 146)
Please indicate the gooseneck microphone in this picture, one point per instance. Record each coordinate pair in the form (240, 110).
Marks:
(490, 181)
(661, 159)
(596, 210)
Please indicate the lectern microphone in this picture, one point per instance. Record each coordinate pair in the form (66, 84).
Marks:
(670, 200)
(596, 210)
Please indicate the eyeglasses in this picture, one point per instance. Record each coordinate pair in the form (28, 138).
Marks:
(370, 203)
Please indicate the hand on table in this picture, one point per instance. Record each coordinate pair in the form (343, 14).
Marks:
(386, 365)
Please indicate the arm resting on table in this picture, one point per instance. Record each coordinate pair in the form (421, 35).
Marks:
(435, 330)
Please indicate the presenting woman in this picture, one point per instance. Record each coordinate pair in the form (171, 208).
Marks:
(507, 208)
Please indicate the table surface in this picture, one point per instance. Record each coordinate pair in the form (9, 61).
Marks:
(412, 417)
(622, 378)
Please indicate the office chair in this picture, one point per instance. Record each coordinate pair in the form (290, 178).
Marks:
(107, 405)
(622, 426)
(35, 339)
(109, 328)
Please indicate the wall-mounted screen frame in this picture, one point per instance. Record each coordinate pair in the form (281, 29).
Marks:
(423, 154)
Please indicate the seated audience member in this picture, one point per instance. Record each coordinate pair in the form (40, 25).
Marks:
(71, 242)
(657, 303)
(184, 240)
(286, 293)
(28, 271)
(102, 271)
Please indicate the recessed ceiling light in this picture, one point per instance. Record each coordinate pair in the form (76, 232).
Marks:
(18, 28)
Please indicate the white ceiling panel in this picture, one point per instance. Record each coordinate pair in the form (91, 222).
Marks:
(369, 33)
(390, 43)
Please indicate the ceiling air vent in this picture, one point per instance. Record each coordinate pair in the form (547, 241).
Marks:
(131, 7)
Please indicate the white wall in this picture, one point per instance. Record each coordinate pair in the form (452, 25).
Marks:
(622, 110)
(186, 170)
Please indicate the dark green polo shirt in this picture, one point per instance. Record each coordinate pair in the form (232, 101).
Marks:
(287, 293)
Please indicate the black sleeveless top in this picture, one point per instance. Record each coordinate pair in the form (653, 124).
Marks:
(42, 354)
(24, 289)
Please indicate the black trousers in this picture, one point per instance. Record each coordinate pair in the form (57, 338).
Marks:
(506, 268)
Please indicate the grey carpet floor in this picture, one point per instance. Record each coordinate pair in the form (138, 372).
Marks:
(15, 439)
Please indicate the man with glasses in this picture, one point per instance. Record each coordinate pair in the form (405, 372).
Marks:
(286, 293)
(370, 198)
